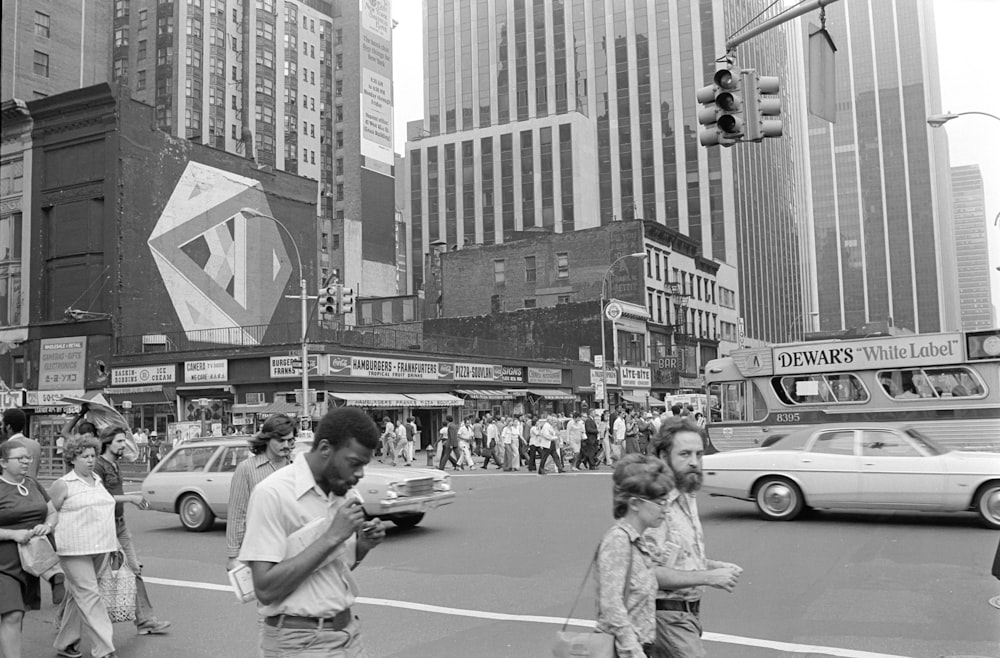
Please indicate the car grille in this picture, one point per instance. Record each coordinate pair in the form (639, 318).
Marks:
(416, 487)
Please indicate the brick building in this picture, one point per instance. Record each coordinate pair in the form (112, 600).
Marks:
(679, 307)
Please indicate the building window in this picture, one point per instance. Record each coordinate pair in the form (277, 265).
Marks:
(530, 303)
(140, 52)
(339, 167)
(41, 25)
(529, 269)
(291, 68)
(12, 177)
(41, 66)
(499, 271)
(338, 37)
(562, 299)
(165, 25)
(335, 240)
(340, 191)
(143, 19)
(121, 8)
(339, 62)
(562, 265)
(140, 81)
(120, 70)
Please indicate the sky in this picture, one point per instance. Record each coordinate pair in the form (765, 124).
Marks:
(966, 31)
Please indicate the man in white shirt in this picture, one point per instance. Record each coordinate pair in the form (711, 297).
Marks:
(549, 438)
(305, 594)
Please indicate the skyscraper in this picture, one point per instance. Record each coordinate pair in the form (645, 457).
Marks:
(302, 86)
(884, 248)
(974, 290)
(570, 114)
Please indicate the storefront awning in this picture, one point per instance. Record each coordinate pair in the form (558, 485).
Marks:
(643, 400)
(486, 394)
(269, 409)
(373, 399)
(435, 400)
(550, 393)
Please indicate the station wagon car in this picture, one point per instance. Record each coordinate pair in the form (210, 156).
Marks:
(193, 482)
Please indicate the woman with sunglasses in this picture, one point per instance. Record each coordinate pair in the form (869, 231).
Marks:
(25, 513)
(626, 584)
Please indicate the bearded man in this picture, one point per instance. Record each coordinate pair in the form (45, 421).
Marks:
(685, 570)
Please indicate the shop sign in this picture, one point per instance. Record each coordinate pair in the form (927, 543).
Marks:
(512, 374)
(139, 375)
(199, 372)
(289, 367)
(53, 398)
(691, 382)
(599, 375)
(61, 363)
(636, 377)
(545, 376)
(478, 372)
(12, 399)
(384, 368)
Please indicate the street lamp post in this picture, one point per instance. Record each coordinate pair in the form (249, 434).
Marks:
(938, 120)
(304, 305)
(604, 348)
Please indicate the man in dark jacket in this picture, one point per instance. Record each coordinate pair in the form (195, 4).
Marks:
(450, 449)
(588, 448)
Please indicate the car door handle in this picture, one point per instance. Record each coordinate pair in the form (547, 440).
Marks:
(806, 461)
(208, 480)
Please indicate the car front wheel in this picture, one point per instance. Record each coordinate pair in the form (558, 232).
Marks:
(196, 516)
(988, 504)
(778, 499)
(408, 521)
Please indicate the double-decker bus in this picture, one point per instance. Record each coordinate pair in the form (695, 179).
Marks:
(946, 385)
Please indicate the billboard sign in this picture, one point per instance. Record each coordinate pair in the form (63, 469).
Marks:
(61, 363)
(376, 82)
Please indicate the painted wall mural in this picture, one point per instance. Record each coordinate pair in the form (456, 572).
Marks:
(221, 266)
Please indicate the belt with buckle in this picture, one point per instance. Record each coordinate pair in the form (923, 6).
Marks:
(678, 605)
(336, 623)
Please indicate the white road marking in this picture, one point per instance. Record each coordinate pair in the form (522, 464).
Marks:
(785, 647)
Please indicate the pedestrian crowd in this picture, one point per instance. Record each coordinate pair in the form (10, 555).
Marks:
(580, 441)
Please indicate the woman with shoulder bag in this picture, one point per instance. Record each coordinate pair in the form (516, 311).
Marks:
(626, 584)
(86, 537)
(25, 514)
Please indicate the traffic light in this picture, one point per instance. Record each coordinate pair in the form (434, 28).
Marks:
(347, 300)
(329, 301)
(722, 110)
(761, 100)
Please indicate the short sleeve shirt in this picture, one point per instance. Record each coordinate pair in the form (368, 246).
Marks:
(112, 479)
(281, 505)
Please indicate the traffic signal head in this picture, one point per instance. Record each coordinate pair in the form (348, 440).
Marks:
(347, 300)
(721, 110)
(762, 101)
(329, 301)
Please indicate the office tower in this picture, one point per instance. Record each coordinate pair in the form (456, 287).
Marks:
(300, 86)
(884, 248)
(51, 47)
(568, 114)
(969, 212)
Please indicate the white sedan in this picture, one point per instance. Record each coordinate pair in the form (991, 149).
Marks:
(193, 482)
(876, 466)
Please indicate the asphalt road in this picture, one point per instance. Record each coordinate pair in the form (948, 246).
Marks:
(505, 560)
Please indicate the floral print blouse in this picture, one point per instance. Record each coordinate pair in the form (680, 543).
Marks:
(627, 611)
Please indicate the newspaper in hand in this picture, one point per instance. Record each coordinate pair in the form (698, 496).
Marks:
(308, 534)
(241, 578)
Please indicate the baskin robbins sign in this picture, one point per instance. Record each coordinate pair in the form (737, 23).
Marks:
(869, 354)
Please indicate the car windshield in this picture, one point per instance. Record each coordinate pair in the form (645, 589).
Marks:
(928, 444)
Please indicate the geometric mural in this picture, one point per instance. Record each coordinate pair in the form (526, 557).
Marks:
(220, 267)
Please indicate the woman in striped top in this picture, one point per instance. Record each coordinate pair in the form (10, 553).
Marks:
(85, 536)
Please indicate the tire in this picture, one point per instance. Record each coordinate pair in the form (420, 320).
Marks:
(408, 521)
(987, 504)
(778, 499)
(195, 514)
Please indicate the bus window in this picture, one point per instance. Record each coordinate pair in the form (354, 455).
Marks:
(731, 400)
(758, 410)
(803, 389)
(922, 383)
(847, 388)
